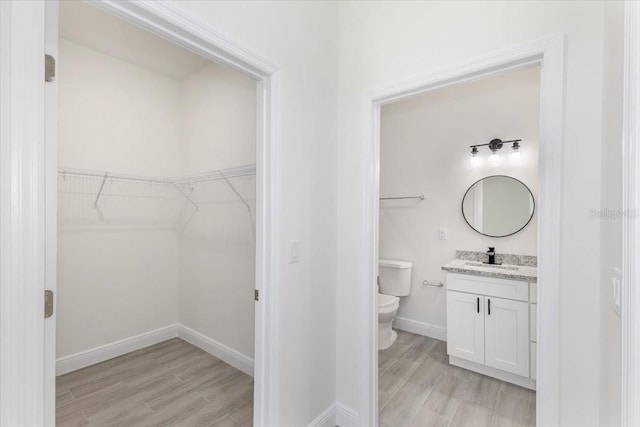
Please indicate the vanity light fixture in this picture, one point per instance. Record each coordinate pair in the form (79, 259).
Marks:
(495, 145)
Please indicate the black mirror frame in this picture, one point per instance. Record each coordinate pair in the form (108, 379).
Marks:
(495, 176)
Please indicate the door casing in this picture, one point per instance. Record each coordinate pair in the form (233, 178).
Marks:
(28, 186)
(548, 53)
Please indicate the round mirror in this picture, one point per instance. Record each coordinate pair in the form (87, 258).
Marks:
(498, 206)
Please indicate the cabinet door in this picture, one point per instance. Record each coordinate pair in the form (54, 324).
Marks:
(465, 326)
(507, 335)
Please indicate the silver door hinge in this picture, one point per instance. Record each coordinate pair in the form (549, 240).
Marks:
(49, 68)
(256, 295)
(48, 304)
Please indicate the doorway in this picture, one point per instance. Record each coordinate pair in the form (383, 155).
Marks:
(548, 52)
(449, 351)
(171, 202)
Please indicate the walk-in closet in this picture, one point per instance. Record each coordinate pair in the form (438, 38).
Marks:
(156, 229)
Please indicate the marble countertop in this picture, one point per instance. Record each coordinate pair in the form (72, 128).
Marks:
(505, 271)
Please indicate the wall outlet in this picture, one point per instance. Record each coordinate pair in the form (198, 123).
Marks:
(442, 234)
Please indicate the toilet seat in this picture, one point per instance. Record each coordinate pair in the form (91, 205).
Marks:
(387, 301)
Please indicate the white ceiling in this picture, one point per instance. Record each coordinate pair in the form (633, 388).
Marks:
(85, 24)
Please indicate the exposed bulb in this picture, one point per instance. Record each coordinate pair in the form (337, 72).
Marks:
(515, 152)
(494, 158)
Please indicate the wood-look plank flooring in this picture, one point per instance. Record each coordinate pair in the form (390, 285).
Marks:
(172, 383)
(418, 388)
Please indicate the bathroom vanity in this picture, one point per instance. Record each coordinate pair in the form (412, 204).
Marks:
(492, 316)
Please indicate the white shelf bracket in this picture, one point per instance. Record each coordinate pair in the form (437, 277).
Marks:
(104, 179)
(236, 191)
(186, 195)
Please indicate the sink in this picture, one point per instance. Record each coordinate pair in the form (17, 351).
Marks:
(499, 267)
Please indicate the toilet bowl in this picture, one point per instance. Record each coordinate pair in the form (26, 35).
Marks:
(387, 308)
(394, 281)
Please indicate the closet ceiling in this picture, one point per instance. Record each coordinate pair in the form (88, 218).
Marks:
(85, 24)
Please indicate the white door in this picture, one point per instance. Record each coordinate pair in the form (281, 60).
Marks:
(465, 326)
(507, 335)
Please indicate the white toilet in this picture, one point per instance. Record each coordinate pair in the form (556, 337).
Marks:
(394, 281)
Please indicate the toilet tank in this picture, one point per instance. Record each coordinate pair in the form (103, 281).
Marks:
(395, 277)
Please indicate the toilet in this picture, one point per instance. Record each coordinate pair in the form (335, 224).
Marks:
(394, 281)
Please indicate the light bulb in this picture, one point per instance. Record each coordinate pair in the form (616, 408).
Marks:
(515, 152)
(494, 158)
(474, 161)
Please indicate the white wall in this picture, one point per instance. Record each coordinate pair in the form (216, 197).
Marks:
(424, 149)
(118, 117)
(217, 248)
(611, 228)
(302, 38)
(130, 267)
(383, 42)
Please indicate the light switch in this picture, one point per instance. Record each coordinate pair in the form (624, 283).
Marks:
(294, 251)
(442, 234)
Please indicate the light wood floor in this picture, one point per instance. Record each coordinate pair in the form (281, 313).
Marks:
(418, 388)
(169, 384)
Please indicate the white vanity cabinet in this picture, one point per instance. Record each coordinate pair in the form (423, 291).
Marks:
(488, 327)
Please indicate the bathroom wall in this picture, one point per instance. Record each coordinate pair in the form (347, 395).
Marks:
(217, 247)
(382, 43)
(119, 117)
(611, 227)
(424, 150)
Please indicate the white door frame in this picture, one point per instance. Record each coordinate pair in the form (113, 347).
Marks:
(549, 54)
(28, 176)
(22, 214)
(631, 209)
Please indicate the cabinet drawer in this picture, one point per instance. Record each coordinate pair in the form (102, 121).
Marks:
(502, 288)
(534, 360)
(533, 323)
(533, 292)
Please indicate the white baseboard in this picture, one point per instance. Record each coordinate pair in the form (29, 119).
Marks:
(99, 354)
(217, 349)
(327, 418)
(420, 328)
(346, 417)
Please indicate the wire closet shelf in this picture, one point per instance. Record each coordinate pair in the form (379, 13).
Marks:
(179, 183)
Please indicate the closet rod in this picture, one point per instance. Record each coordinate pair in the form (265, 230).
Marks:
(111, 175)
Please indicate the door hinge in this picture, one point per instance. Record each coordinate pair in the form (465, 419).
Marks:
(49, 68)
(48, 304)
(256, 294)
